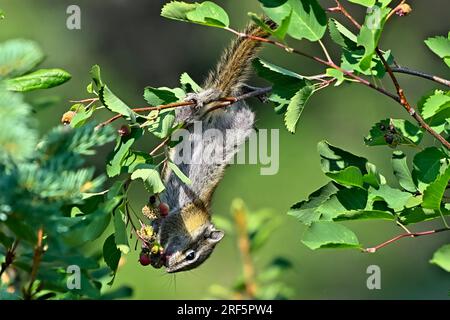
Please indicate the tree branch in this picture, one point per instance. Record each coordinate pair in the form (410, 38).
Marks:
(404, 235)
(421, 74)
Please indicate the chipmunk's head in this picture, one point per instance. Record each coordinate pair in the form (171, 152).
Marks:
(188, 238)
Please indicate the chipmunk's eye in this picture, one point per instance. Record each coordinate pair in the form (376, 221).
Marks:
(190, 255)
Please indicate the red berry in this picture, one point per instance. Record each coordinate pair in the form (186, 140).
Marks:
(144, 259)
(124, 131)
(163, 209)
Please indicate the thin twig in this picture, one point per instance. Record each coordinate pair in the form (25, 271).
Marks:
(421, 74)
(146, 109)
(404, 235)
(325, 51)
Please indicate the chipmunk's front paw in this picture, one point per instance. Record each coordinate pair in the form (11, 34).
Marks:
(201, 99)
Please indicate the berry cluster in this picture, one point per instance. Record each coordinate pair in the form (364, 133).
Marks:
(152, 251)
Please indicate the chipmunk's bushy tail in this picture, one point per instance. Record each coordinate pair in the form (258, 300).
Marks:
(232, 70)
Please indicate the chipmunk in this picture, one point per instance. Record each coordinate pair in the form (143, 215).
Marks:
(187, 234)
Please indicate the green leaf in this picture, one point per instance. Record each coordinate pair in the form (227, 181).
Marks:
(337, 74)
(370, 33)
(120, 231)
(395, 131)
(364, 215)
(111, 253)
(81, 117)
(118, 156)
(163, 125)
(40, 79)
(285, 83)
(296, 106)
(162, 95)
(334, 159)
(114, 104)
(305, 211)
(345, 200)
(188, 84)
(395, 199)
(308, 19)
(150, 176)
(427, 164)
(402, 172)
(432, 196)
(441, 46)
(96, 76)
(280, 32)
(341, 35)
(179, 173)
(351, 58)
(205, 13)
(441, 257)
(18, 56)
(350, 176)
(366, 3)
(327, 234)
(435, 103)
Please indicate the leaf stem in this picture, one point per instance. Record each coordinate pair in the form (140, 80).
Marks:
(404, 235)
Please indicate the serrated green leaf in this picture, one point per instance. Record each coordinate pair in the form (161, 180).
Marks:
(351, 58)
(341, 35)
(188, 84)
(205, 13)
(441, 257)
(441, 46)
(296, 106)
(432, 196)
(364, 215)
(308, 19)
(114, 104)
(327, 234)
(18, 56)
(402, 172)
(150, 176)
(436, 103)
(280, 32)
(40, 79)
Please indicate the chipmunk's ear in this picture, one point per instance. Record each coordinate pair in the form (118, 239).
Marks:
(215, 236)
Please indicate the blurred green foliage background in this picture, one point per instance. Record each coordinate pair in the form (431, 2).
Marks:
(136, 47)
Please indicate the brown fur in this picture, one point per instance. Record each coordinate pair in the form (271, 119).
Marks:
(232, 69)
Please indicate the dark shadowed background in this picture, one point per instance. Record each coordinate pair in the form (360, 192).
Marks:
(136, 47)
